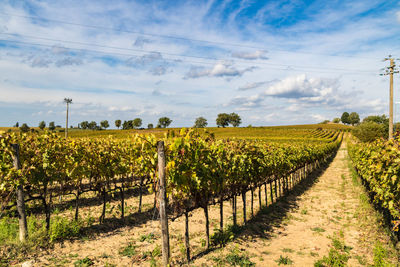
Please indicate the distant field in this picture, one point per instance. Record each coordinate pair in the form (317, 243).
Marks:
(278, 133)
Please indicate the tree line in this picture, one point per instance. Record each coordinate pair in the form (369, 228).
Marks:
(223, 120)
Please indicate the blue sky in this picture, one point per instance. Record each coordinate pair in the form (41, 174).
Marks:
(272, 62)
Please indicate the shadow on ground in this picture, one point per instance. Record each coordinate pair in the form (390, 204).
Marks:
(273, 215)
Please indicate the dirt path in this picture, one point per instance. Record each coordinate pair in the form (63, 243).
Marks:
(300, 229)
(333, 207)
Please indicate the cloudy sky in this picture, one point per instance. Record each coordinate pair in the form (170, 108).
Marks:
(272, 62)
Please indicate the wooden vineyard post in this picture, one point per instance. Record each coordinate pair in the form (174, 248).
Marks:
(271, 191)
(252, 200)
(23, 227)
(234, 210)
(244, 207)
(162, 198)
(266, 194)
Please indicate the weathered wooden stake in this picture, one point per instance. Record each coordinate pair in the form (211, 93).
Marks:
(271, 191)
(252, 200)
(23, 227)
(221, 214)
(244, 207)
(187, 244)
(140, 194)
(163, 208)
(234, 209)
(266, 194)
(207, 226)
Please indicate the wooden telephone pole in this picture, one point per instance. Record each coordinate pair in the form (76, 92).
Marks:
(67, 101)
(390, 71)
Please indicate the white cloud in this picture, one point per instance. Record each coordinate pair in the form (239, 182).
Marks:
(145, 59)
(58, 49)
(220, 69)
(125, 108)
(301, 86)
(141, 41)
(318, 117)
(301, 93)
(259, 54)
(249, 86)
(158, 70)
(398, 16)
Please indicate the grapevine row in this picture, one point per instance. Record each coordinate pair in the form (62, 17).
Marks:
(200, 170)
(378, 165)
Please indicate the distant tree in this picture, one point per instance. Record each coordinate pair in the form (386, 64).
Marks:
(223, 120)
(104, 124)
(164, 122)
(324, 122)
(234, 119)
(92, 125)
(42, 125)
(345, 118)
(382, 120)
(127, 125)
(200, 122)
(52, 126)
(118, 123)
(376, 118)
(354, 118)
(16, 125)
(84, 125)
(150, 126)
(336, 120)
(369, 131)
(24, 128)
(137, 123)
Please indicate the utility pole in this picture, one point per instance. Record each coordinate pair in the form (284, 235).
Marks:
(67, 101)
(390, 71)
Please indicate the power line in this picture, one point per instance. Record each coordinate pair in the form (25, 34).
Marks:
(317, 69)
(130, 31)
(173, 36)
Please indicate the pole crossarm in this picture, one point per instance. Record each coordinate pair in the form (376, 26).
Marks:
(390, 71)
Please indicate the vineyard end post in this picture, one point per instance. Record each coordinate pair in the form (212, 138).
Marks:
(23, 227)
(162, 199)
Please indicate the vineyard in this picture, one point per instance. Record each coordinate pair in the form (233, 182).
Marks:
(378, 164)
(201, 170)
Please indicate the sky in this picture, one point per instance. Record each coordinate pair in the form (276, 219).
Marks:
(271, 62)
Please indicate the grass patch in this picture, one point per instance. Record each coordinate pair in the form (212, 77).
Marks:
(149, 238)
(284, 260)
(62, 228)
(153, 255)
(380, 256)
(304, 211)
(318, 229)
(83, 262)
(234, 258)
(289, 250)
(361, 260)
(129, 250)
(221, 238)
(338, 255)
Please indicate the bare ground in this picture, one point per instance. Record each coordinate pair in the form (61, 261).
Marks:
(328, 205)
